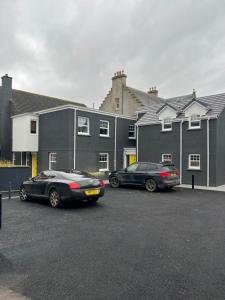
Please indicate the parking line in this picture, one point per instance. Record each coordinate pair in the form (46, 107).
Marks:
(13, 197)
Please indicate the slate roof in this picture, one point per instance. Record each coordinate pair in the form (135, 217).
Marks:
(25, 102)
(214, 103)
(145, 98)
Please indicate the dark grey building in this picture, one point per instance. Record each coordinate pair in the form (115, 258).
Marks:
(188, 131)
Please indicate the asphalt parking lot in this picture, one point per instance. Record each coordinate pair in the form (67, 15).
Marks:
(130, 245)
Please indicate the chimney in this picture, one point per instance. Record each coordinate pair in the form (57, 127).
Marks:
(119, 76)
(153, 91)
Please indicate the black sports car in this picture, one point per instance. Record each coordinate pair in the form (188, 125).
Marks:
(59, 187)
(149, 175)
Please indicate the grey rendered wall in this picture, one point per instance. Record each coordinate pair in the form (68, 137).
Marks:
(220, 151)
(89, 147)
(122, 140)
(195, 142)
(56, 135)
(152, 143)
(5, 120)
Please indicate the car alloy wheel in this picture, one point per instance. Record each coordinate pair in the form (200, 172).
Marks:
(23, 194)
(114, 182)
(151, 185)
(54, 199)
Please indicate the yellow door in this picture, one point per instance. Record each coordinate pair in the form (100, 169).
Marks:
(132, 159)
(34, 164)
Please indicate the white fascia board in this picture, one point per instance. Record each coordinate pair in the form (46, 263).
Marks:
(96, 111)
(24, 115)
(179, 120)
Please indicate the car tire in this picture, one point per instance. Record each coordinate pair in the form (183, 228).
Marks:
(92, 199)
(151, 185)
(23, 194)
(114, 182)
(55, 199)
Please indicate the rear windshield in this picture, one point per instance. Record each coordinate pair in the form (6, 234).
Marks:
(72, 176)
(169, 168)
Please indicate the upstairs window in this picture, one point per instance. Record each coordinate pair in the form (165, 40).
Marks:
(167, 158)
(33, 126)
(83, 126)
(194, 121)
(167, 124)
(104, 128)
(131, 133)
(194, 161)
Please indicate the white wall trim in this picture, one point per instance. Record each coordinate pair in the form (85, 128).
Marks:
(115, 143)
(181, 151)
(74, 138)
(208, 162)
(137, 132)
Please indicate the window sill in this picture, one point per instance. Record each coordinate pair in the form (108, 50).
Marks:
(189, 169)
(131, 138)
(83, 134)
(103, 170)
(197, 128)
(104, 136)
(166, 130)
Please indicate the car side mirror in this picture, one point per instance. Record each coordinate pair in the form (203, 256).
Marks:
(32, 178)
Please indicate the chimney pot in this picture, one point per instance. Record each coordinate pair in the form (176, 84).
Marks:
(153, 91)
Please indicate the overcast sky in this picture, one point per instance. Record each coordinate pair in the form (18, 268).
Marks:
(70, 49)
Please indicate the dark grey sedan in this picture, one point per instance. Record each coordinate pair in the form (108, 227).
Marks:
(59, 187)
(149, 175)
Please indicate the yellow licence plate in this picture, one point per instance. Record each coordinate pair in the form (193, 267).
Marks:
(92, 192)
(173, 174)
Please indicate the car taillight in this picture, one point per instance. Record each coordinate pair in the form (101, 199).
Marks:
(74, 186)
(102, 184)
(164, 174)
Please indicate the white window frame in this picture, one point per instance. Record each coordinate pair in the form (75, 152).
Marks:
(34, 120)
(190, 167)
(194, 120)
(107, 162)
(167, 154)
(87, 126)
(167, 121)
(100, 127)
(133, 131)
(50, 160)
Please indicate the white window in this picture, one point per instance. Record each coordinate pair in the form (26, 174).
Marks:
(83, 126)
(52, 161)
(194, 161)
(104, 128)
(167, 158)
(33, 126)
(103, 162)
(167, 124)
(131, 133)
(194, 121)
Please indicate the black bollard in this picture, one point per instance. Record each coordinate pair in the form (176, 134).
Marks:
(10, 188)
(0, 211)
(193, 181)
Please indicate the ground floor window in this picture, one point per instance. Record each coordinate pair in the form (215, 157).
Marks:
(103, 161)
(21, 158)
(194, 161)
(167, 157)
(52, 161)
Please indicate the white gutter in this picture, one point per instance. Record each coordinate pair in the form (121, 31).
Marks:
(137, 132)
(74, 138)
(181, 151)
(115, 141)
(208, 153)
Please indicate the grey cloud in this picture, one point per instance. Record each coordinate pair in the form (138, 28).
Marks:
(70, 49)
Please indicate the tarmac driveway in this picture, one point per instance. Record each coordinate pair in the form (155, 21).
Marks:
(131, 245)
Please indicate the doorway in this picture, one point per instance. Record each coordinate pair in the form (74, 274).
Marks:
(129, 156)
